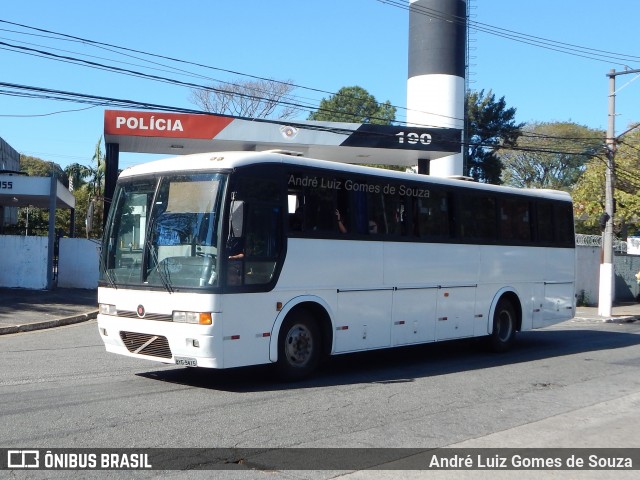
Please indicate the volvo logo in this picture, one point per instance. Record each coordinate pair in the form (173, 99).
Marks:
(140, 311)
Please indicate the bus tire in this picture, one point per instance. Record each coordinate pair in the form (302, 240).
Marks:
(299, 346)
(504, 326)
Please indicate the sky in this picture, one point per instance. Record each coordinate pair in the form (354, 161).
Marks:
(319, 45)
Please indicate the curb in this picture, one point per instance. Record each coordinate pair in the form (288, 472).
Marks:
(617, 319)
(622, 319)
(29, 327)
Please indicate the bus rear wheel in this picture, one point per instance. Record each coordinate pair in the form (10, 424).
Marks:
(299, 346)
(504, 327)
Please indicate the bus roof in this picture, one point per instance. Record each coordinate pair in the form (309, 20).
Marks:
(236, 159)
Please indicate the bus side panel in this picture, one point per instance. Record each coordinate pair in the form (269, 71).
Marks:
(518, 269)
(247, 326)
(455, 312)
(558, 303)
(434, 293)
(559, 287)
(509, 265)
(353, 271)
(363, 321)
(334, 264)
(413, 316)
(430, 264)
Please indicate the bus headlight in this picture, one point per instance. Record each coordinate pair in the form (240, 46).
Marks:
(106, 309)
(199, 318)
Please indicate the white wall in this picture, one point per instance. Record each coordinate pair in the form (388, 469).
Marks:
(24, 262)
(78, 263)
(588, 274)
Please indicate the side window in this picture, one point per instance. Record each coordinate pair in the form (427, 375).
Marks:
(372, 211)
(563, 213)
(544, 222)
(318, 204)
(379, 210)
(477, 218)
(254, 243)
(431, 216)
(319, 209)
(515, 220)
(366, 207)
(395, 211)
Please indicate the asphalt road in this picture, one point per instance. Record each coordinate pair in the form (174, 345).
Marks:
(572, 385)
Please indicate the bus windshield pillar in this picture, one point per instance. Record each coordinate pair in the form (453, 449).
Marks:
(110, 176)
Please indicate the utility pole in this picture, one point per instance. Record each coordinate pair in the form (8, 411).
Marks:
(605, 293)
(605, 296)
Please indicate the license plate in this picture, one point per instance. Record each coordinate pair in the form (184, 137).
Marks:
(186, 361)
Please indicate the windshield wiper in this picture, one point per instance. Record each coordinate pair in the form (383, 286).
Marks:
(164, 276)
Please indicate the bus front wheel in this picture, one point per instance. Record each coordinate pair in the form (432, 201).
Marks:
(298, 346)
(504, 327)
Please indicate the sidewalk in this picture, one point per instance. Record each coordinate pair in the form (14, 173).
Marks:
(625, 312)
(23, 310)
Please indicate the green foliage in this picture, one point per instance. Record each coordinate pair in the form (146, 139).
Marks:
(88, 187)
(36, 167)
(589, 192)
(354, 105)
(550, 155)
(77, 174)
(490, 127)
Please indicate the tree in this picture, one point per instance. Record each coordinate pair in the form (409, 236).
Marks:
(589, 192)
(490, 127)
(36, 167)
(246, 98)
(33, 220)
(550, 155)
(97, 182)
(77, 175)
(356, 105)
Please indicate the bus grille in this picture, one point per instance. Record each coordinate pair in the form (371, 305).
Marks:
(149, 316)
(144, 344)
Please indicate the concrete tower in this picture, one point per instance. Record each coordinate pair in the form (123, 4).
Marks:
(436, 80)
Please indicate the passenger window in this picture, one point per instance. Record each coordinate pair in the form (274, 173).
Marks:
(369, 213)
(478, 218)
(564, 224)
(515, 220)
(544, 222)
(431, 216)
(318, 205)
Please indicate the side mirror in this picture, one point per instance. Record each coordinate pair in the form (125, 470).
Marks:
(236, 220)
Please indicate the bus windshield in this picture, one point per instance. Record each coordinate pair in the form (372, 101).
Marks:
(164, 232)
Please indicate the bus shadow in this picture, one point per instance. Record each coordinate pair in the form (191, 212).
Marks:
(403, 364)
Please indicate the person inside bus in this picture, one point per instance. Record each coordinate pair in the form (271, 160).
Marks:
(235, 252)
(235, 248)
(341, 225)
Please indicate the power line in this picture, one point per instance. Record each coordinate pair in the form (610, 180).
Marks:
(96, 100)
(135, 73)
(126, 71)
(120, 49)
(541, 42)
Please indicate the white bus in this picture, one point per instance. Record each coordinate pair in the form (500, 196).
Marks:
(242, 258)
